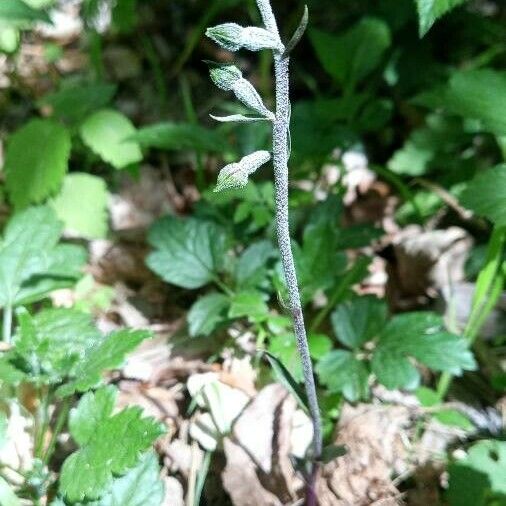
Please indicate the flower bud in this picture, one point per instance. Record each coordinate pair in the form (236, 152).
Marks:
(224, 76)
(247, 94)
(235, 175)
(233, 37)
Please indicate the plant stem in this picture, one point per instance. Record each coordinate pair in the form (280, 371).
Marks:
(7, 323)
(280, 149)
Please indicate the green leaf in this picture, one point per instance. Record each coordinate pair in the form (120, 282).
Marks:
(109, 445)
(30, 259)
(350, 57)
(486, 195)
(18, 11)
(454, 418)
(479, 475)
(359, 320)
(332, 452)
(9, 38)
(421, 336)
(341, 371)
(431, 10)
(9, 374)
(205, 315)
(108, 133)
(251, 268)
(89, 218)
(36, 161)
(249, 304)
(284, 348)
(109, 354)
(188, 252)
(53, 342)
(180, 136)
(74, 103)
(479, 95)
(141, 486)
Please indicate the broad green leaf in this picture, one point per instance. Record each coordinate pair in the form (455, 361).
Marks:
(36, 161)
(109, 354)
(7, 495)
(486, 195)
(359, 320)
(180, 136)
(421, 336)
(431, 10)
(17, 11)
(251, 270)
(53, 342)
(89, 218)
(454, 418)
(341, 371)
(249, 304)
(475, 479)
(9, 374)
(187, 252)
(207, 313)
(479, 95)
(74, 103)
(108, 134)
(141, 486)
(31, 261)
(350, 57)
(284, 348)
(9, 38)
(112, 449)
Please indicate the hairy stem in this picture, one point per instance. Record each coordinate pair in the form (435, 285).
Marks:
(281, 155)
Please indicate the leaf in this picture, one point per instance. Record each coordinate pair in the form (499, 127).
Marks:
(341, 371)
(251, 268)
(36, 161)
(9, 38)
(108, 354)
(421, 336)
(188, 252)
(112, 448)
(286, 379)
(359, 320)
(350, 57)
(89, 218)
(454, 418)
(207, 313)
(486, 195)
(332, 452)
(284, 348)
(9, 374)
(431, 10)
(250, 304)
(479, 475)
(180, 136)
(478, 95)
(18, 11)
(108, 133)
(28, 253)
(53, 342)
(74, 103)
(141, 486)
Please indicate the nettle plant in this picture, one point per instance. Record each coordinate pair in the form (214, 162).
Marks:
(51, 367)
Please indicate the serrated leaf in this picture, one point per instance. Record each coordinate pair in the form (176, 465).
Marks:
(109, 133)
(350, 57)
(74, 103)
(108, 354)
(251, 268)
(180, 136)
(89, 218)
(341, 371)
(114, 447)
(359, 320)
(30, 257)
(188, 252)
(18, 11)
(284, 348)
(431, 10)
(421, 336)
(36, 161)
(207, 313)
(250, 304)
(486, 195)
